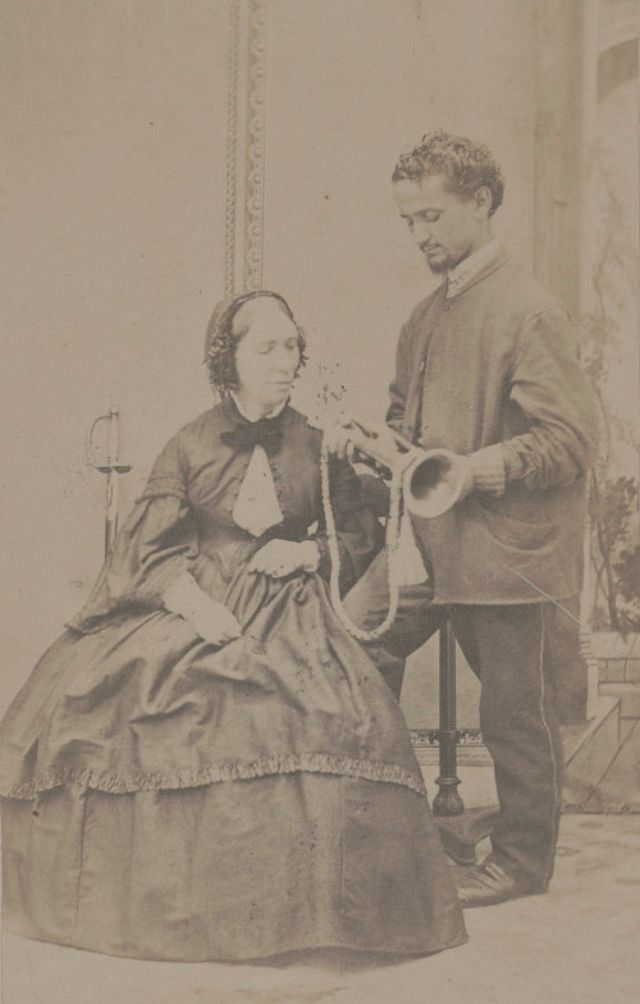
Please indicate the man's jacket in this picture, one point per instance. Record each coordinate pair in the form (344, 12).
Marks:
(497, 366)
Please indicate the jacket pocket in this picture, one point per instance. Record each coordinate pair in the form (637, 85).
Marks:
(513, 532)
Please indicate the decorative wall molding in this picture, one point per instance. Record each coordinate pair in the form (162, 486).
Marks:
(232, 152)
(245, 161)
(255, 153)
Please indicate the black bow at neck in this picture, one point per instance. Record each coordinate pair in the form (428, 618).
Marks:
(265, 432)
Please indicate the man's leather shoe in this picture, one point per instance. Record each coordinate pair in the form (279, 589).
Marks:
(489, 884)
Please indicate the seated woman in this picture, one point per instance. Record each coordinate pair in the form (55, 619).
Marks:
(205, 765)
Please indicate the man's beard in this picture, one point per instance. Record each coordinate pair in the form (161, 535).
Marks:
(438, 267)
(442, 264)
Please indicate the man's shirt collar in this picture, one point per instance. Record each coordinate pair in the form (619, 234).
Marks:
(473, 267)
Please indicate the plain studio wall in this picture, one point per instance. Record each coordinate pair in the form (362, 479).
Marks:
(113, 216)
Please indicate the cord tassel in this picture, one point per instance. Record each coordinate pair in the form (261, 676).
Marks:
(393, 524)
(410, 570)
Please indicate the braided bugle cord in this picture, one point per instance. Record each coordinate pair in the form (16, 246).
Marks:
(392, 537)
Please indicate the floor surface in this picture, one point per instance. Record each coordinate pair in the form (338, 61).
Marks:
(578, 944)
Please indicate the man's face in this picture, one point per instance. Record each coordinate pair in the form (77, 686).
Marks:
(446, 227)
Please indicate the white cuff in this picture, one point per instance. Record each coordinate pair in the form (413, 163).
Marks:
(311, 555)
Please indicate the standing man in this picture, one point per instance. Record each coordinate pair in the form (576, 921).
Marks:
(488, 367)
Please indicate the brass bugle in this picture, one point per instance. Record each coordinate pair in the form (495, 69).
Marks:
(433, 480)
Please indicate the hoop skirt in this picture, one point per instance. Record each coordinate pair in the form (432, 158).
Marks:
(164, 798)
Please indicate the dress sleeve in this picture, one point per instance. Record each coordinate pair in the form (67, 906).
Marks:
(157, 543)
(360, 535)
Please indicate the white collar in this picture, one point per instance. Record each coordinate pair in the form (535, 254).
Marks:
(470, 267)
(271, 414)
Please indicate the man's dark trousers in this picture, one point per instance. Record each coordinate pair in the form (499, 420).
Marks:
(507, 647)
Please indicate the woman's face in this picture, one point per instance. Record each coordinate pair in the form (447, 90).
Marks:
(268, 353)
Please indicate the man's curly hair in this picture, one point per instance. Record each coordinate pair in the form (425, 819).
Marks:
(467, 165)
(221, 343)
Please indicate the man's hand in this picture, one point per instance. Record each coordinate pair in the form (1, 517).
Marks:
(280, 558)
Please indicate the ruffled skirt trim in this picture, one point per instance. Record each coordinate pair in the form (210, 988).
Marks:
(117, 784)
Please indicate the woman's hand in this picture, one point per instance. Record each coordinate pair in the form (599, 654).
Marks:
(209, 618)
(337, 439)
(215, 623)
(280, 558)
(372, 438)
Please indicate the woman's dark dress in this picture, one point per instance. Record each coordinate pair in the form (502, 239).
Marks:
(169, 799)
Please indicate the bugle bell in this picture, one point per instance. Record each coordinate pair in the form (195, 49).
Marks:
(433, 480)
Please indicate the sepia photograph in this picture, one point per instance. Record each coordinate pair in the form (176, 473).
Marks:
(321, 516)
